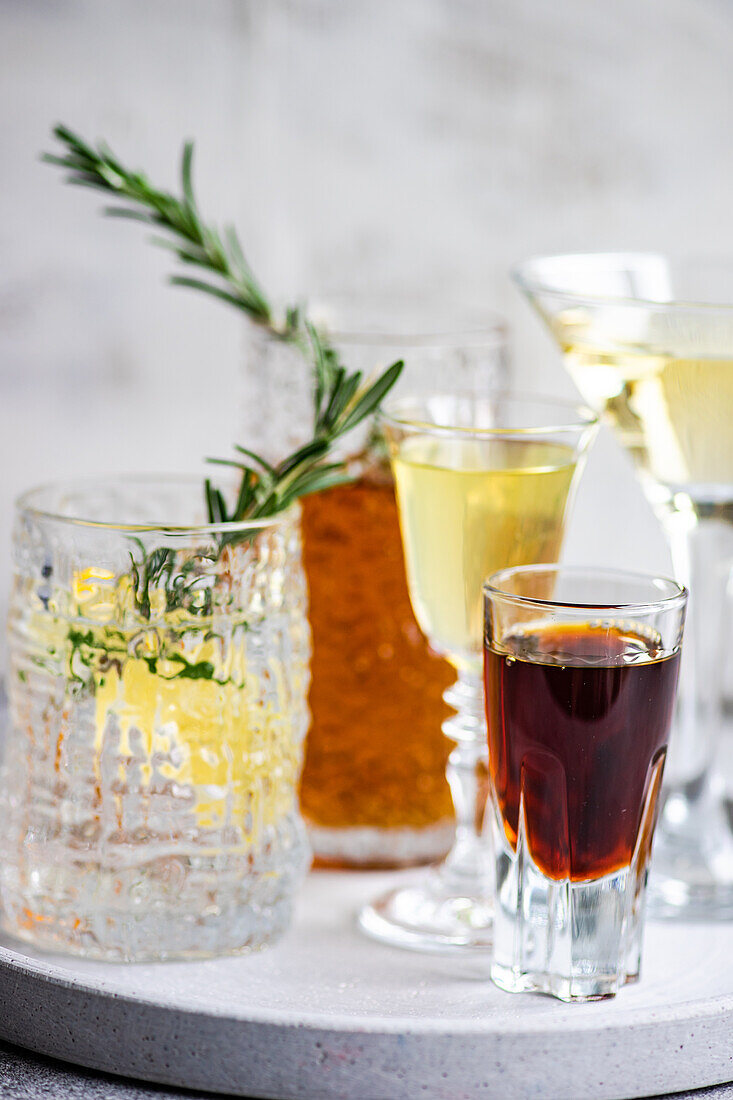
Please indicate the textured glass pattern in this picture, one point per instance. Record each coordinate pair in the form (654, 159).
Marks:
(150, 775)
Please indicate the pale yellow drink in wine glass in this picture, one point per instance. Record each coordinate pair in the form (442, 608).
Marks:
(482, 483)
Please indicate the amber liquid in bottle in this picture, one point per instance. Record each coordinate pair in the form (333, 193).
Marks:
(578, 717)
(375, 755)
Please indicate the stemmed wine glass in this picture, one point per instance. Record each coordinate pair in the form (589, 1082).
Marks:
(482, 482)
(649, 343)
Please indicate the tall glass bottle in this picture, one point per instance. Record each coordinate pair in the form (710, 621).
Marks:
(374, 791)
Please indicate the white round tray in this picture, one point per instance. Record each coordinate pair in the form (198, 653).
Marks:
(329, 1014)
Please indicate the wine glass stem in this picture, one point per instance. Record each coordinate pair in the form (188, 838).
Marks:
(702, 552)
(468, 862)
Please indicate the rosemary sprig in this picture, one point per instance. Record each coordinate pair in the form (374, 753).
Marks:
(181, 584)
(340, 405)
(341, 400)
(190, 238)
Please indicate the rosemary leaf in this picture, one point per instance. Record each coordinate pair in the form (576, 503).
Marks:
(370, 401)
(207, 288)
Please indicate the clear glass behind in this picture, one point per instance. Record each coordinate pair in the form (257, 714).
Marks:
(379, 683)
(649, 343)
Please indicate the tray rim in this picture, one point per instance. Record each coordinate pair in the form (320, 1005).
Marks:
(14, 962)
(577, 1050)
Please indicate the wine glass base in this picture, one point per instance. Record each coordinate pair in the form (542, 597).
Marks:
(683, 885)
(692, 875)
(675, 899)
(430, 916)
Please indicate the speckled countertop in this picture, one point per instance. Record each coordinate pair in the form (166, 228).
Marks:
(26, 1076)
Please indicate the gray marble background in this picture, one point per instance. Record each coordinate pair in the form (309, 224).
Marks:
(368, 143)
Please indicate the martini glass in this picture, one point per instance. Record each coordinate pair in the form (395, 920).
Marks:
(649, 343)
(481, 482)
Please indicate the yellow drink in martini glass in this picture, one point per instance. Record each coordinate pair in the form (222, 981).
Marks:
(649, 343)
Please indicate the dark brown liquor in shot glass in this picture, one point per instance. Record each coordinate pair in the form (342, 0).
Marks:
(578, 718)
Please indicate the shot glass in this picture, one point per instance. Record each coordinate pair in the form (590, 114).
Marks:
(581, 671)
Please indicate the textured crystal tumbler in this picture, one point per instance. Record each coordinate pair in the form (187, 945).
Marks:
(157, 683)
(581, 672)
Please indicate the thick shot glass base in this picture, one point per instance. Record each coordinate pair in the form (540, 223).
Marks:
(577, 941)
(574, 990)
